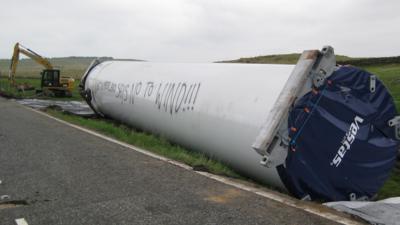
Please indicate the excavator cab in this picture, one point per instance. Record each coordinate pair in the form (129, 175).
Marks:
(53, 84)
(50, 78)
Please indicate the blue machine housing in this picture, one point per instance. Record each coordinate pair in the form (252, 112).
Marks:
(341, 147)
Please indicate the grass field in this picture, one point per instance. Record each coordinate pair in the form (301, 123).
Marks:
(35, 82)
(388, 73)
(70, 66)
(277, 59)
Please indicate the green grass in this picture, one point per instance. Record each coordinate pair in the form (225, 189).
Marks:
(69, 66)
(293, 58)
(277, 59)
(149, 142)
(390, 76)
(391, 188)
(35, 82)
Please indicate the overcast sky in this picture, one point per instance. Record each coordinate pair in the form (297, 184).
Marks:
(199, 30)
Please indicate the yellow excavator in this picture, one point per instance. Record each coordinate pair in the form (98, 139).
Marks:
(52, 83)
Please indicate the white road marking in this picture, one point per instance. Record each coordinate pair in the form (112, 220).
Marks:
(21, 221)
(313, 208)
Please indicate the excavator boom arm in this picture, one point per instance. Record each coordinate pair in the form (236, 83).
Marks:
(19, 49)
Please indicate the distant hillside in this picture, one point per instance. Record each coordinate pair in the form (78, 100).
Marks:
(70, 66)
(376, 61)
(277, 59)
(292, 59)
(75, 66)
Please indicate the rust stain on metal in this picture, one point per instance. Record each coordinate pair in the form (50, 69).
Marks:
(311, 54)
(292, 100)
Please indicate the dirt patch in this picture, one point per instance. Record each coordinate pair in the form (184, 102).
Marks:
(13, 204)
(224, 197)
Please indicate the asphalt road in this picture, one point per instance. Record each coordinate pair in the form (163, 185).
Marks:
(55, 174)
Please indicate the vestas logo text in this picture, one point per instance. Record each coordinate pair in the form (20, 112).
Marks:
(348, 139)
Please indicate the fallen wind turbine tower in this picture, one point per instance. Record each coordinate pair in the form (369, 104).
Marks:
(319, 130)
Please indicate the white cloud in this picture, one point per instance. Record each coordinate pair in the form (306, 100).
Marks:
(199, 30)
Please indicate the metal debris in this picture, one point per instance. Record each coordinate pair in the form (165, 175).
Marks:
(386, 211)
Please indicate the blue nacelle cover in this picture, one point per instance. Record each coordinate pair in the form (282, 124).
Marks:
(341, 146)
